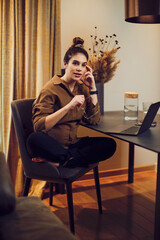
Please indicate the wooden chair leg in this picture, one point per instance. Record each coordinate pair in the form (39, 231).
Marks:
(26, 186)
(50, 193)
(98, 191)
(70, 206)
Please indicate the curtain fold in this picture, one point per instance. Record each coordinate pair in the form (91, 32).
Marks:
(7, 51)
(29, 56)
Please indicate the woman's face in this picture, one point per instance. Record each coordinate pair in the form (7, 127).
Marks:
(76, 67)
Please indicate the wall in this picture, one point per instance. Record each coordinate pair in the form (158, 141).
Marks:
(139, 54)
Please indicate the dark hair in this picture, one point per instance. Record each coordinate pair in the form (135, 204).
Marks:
(77, 47)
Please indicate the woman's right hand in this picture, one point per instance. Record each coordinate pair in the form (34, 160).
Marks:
(52, 119)
(77, 101)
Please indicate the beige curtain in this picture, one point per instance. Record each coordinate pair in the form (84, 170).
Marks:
(29, 57)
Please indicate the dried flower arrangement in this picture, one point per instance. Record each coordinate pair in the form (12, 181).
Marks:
(102, 57)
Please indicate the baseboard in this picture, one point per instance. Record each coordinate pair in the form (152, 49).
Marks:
(115, 172)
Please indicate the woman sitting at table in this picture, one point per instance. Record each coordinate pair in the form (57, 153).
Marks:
(59, 109)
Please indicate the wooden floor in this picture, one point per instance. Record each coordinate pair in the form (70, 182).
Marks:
(128, 209)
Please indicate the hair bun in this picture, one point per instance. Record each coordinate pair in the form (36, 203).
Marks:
(78, 42)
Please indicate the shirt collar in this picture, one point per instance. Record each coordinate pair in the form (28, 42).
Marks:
(57, 80)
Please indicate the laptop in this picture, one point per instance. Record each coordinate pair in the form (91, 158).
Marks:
(135, 129)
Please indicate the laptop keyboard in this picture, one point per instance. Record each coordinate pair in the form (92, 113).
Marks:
(131, 130)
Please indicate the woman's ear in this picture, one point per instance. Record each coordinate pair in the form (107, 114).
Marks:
(65, 65)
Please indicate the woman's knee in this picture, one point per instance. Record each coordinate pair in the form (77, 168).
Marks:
(35, 141)
(113, 145)
(31, 142)
(33, 137)
(109, 146)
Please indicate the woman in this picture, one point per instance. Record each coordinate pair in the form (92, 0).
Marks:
(57, 112)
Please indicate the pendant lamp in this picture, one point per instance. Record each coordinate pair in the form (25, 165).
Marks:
(142, 11)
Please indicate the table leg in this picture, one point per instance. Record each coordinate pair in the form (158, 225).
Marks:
(157, 205)
(131, 163)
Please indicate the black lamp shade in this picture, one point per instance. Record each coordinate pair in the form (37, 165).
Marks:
(142, 11)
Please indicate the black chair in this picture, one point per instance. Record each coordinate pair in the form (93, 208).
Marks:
(46, 171)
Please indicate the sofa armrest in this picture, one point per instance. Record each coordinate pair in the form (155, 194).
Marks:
(7, 195)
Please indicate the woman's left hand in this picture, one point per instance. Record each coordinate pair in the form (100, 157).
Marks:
(89, 79)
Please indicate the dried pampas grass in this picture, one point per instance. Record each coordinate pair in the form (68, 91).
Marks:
(103, 62)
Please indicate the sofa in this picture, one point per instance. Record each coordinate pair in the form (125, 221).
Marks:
(26, 218)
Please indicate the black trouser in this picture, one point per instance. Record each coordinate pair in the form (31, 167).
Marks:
(86, 151)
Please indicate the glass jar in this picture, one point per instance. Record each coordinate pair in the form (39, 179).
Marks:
(131, 106)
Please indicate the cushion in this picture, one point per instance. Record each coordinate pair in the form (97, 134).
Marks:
(32, 220)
